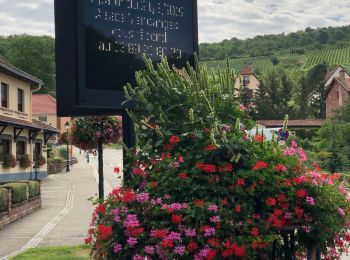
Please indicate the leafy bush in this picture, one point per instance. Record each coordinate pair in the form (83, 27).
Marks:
(9, 161)
(200, 188)
(4, 199)
(40, 160)
(33, 189)
(24, 162)
(18, 191)
(62, 152)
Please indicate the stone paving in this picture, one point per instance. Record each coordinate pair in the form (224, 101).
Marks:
(65, 214)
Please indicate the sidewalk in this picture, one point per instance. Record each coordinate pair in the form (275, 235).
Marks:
(64, 216)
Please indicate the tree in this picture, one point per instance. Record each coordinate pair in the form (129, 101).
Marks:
(323, 37)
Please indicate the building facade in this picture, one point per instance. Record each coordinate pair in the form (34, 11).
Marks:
(337, 93)
(247, 80)
(23, 139)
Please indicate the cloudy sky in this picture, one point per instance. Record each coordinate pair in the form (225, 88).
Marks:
(218, 19)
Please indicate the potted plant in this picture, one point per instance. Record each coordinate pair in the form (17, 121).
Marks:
(9, 161)
(24, 162)
(40, 160)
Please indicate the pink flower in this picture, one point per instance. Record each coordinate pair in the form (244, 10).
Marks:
(174, 236)
(310, 200)
(341, 212)
(289, 152)
(180, 250)
(294, 144)
(138, 257)
(132, 241)
(131, 221)
(215, 219)
(142, 197)
(302, 155)
(208, 232)
(117, 248)
(213, 208)
(307, 229)
(149, 250)
(288, 215)
(190, 232)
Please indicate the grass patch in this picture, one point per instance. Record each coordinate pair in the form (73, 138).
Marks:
(55, 253)
(113, 146)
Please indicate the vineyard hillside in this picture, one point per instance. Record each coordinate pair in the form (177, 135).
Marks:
(333, 56)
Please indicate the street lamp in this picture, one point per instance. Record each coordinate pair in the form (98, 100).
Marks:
(67, 126)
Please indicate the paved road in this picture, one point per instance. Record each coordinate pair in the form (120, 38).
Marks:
(65, 214)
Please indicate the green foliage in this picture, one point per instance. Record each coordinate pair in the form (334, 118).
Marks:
(24, 162)
(55, 253)
(87, 132)
(269, 45)
(18, 191)
(62, 152)
(4, 199)
(33, 54)
(33, 189)
(9, 161)
(334, 138)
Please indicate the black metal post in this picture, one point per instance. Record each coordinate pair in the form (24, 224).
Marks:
(67, 166)
(101, 192)
(129, 140)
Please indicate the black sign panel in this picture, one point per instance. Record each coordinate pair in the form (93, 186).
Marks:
(100, 44)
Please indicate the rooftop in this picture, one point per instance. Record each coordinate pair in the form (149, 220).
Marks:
(7, 68)
(306, 123)
(246, 70)
(44, 104)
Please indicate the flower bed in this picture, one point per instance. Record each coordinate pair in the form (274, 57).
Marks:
(200, 188)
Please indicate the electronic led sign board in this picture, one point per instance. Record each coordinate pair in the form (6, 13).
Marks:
(100, 45)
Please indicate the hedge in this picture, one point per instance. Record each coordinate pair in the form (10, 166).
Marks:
(34, 188)
(4, 199)
(18, 191)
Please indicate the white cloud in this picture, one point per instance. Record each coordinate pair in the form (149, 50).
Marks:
(218, 19)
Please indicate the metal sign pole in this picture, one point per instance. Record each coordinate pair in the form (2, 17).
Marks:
(129, 140)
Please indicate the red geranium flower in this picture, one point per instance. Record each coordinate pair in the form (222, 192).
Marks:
(138, 171)
(211, 255)
(176, 219)
(154, 184)
(259, 138)
(100, 209)
(192, 246)
(301, 193)
(174, 139)
(208, 168)
(210, 148)
(166, 243)
(270, 202)
(183, 176)
(104, 232)
(240, 182)
(238, 208)
(199, 203)
(260, 165)
(159, 233)
(254, 232)
(116, 170)
(88, 240)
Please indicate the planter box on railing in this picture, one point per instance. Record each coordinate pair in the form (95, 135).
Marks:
(12, 208)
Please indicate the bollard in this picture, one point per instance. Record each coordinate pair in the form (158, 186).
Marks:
(88, 158)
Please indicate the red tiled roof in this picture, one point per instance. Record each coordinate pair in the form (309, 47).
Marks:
(246, 70)
(44, 104)
(308, 123)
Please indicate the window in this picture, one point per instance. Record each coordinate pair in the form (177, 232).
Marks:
(20, 96)
(43, 118)
(20, 149)
(37, 150)
(246, 80)
(5, 148)
(4, 95)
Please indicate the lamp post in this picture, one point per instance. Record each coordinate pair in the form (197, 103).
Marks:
(67, 126)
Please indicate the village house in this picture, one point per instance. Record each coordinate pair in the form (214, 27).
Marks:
(337, 90)
(23, 139)
(45, 110)
(248, 80)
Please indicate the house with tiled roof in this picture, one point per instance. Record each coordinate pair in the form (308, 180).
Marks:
(247, 80)
(45, 111)
(22, 138)
(337, 92)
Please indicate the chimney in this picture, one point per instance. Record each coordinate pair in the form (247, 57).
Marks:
(342, 75)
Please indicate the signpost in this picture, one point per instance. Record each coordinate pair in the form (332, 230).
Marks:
(100, 44)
